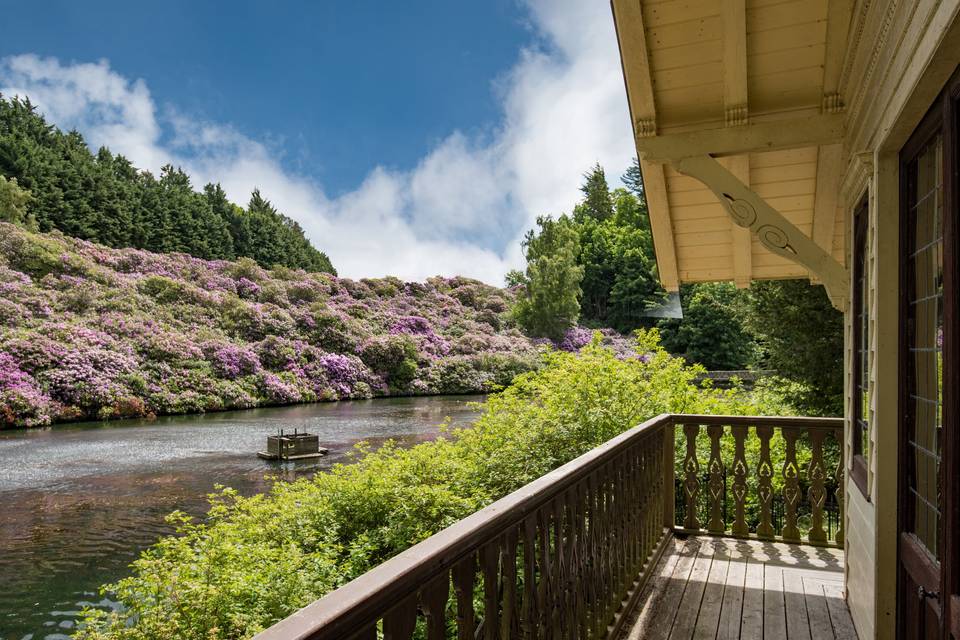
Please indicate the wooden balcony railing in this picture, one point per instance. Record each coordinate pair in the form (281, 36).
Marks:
(761, 479)
(566, 555)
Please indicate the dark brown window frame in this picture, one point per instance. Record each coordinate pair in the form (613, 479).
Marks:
(943, 576)
(858, 462)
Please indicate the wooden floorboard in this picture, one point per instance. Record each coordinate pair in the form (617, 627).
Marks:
(731, 607)
(707, 588)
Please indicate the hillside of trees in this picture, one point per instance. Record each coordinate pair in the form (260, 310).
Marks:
(103, 198)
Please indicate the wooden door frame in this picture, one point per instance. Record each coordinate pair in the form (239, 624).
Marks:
(951, 362)
(943, 118)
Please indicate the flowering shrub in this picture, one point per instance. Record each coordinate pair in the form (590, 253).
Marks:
(92, 332)
(21, 400)
(231, 361)
(574, 338)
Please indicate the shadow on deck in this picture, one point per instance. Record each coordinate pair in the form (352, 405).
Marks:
(725, 588)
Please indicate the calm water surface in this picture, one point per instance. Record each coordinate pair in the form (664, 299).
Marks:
(78, 502)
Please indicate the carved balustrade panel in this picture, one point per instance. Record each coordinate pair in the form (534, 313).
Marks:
(765, 477)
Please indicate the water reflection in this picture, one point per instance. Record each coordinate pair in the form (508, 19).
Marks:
(81, 501)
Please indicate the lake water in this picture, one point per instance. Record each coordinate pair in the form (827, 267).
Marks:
(78, 502)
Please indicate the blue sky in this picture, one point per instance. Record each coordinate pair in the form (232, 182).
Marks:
(335, 86)
(412, 138)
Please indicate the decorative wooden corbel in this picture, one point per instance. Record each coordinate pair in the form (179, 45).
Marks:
(778, 234)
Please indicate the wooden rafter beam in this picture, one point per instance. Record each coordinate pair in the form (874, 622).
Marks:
(734, 19)
(839, 14)
(787, 133)
(826, 198)
(742, 255)
(773, 230)
(628, 18)
(658, 207)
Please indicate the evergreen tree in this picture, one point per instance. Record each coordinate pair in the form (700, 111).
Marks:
(550, 305)
(801, 336)
(597, 202)
(104, 198)
(712, 331)
(633, 178)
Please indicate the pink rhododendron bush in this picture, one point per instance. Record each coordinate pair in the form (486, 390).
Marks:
(92, 332)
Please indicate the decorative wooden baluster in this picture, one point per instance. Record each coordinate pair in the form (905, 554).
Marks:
(764, 482)
(464, 574)
(580, 567)
(691, 482)
(590, 557)
(638, 507)
(556, 559)
(529, 620)
(841, 491)
(739, 480)
(508, 616)
(659, 487)
(627, 504)
(791, 485)
(559, 567)
(400, 621)
(817, 494)
(433, 601)
(490, 567)
(715, 485)
(608, 541)
(545, 586)
(568, 567)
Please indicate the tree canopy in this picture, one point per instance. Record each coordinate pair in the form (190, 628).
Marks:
(551, 301)
(103, 198)
(801, 336)
(712, 331)
(614, 254)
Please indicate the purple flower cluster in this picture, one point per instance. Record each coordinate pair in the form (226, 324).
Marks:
(231, 361)
(22, 403)
(575, 338)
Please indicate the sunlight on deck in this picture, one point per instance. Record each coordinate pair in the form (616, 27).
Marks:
(725, 588)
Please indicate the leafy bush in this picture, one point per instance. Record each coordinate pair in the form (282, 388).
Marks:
(256, 560)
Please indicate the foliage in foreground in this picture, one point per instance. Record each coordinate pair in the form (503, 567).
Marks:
(256, 560)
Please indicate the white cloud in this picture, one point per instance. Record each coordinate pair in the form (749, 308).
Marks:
(465, 206)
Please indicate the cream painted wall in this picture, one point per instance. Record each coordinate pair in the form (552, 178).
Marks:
(903, 54)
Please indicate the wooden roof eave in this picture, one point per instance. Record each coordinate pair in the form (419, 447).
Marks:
(717, 153)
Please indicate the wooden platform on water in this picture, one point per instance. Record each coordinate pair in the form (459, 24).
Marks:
(303, 456)
(727, 589)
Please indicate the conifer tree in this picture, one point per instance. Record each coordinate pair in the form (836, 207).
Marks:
(104, 198)
(597, 202)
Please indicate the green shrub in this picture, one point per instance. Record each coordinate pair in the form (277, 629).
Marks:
(256, 560)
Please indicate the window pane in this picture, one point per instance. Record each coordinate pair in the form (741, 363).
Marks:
(925, 341)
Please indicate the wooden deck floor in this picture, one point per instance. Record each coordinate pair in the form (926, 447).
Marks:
(722, 588)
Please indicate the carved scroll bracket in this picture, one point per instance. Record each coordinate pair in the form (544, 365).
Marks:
(778, 234)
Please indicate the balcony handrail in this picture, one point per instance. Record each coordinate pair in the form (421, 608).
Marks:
(395, 585)
(795, 422)
(345, 611)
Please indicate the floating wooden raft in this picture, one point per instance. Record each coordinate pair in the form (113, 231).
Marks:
(293, 446)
